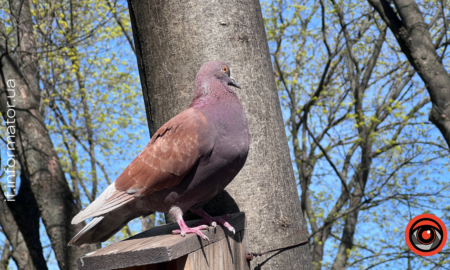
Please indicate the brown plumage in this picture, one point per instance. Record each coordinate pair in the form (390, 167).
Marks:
(187, 162)
(169, 156)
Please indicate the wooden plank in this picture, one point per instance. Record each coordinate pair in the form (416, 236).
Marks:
(244, 247)
(225, 254)
(178, 264)
(154, 246)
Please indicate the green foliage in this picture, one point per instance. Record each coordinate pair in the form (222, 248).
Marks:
(91, 97)
(90, 92)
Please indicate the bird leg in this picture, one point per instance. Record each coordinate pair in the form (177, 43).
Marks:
(184, 229)
(207, 219)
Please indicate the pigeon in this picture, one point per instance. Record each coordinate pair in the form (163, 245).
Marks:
(189, 160)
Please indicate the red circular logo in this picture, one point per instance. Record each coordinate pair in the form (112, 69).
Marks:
(426, 235)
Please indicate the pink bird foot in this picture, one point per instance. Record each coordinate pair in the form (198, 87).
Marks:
(185, 230)
(212, 221)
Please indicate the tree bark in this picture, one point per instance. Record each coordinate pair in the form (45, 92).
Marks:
(172, 40)
(411, 31)
(21, 216)
(20, 252)
(4, 260)
(25, 213)
(33, 147)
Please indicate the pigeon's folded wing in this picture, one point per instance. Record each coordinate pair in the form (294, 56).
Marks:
(171, 153)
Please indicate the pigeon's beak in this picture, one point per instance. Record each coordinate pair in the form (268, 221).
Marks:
(234, 83)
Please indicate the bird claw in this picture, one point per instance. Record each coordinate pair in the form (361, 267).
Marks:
(212, 221)
(195, 230)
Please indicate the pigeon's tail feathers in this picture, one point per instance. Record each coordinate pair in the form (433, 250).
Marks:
(108, 201)
(101, 228)
(87, 233)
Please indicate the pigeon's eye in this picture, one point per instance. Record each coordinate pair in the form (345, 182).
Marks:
(225, 69)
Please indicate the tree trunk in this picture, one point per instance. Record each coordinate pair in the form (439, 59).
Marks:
(25, 213)
(6, 254)
(14, 237)
(415, 41)
(33, 148)
(172, 40)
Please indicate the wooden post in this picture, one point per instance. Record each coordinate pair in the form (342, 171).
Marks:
(158, 249)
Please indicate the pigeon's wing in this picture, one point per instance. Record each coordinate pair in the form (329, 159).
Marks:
(169, 156)
(171, 153)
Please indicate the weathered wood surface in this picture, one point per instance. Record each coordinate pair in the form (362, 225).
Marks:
(159, 245)
(226, 254)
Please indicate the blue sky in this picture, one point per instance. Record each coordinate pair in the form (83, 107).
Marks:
(142, 130)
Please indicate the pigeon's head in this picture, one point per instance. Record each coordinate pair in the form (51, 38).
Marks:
(211, 74)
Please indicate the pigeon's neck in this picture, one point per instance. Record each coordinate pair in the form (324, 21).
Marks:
(209, 93)
(224, 109)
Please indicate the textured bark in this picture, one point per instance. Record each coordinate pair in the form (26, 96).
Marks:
(19, 253)
(25, 213)
(33, 146)
(4, 260)
(172, 40)
(411, 31)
